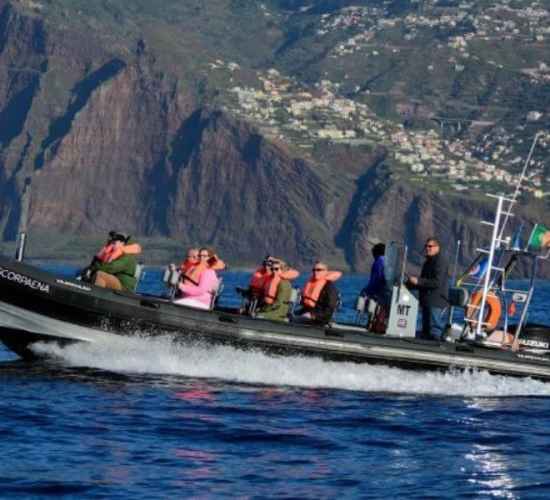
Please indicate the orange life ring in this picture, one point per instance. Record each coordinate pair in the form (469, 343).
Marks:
(494, 310)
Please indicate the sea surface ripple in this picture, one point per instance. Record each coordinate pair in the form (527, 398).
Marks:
(142, 419)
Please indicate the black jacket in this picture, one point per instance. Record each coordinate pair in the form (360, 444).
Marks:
(326, 305)
(433, 284)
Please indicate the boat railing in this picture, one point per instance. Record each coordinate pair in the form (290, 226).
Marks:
(491, 283)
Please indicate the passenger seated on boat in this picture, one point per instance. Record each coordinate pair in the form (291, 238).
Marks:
(319, 296)
(255, 288)
(190, 266)
(114, 266)
(201, 282)
(277, 292)
(377, 291)
(190, 261)
(254, 293)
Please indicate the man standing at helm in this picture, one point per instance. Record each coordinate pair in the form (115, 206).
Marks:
(433, 288)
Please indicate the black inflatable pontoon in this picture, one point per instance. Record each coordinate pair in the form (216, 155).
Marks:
(36, 306)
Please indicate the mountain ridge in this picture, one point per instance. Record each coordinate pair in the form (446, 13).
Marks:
(114, 135)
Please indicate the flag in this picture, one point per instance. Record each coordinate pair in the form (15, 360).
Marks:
(478, 270)
(516, 239)
(540, 237)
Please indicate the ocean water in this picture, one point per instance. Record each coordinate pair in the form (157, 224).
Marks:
(144, 419)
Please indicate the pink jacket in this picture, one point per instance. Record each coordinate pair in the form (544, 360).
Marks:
(203, 291)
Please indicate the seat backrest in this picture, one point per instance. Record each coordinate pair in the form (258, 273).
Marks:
(294, 300)
(171, 279)
(216, 292)
(138, 273)
(171, 275)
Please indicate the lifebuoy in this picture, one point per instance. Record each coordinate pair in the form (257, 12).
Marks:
(494, 310)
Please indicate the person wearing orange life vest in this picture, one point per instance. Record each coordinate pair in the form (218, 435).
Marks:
(277, 291)
(189, 267)
(319, 295)
(256, 285)
(200, 282)
(191, 260)
(254, 293)
(114, 266)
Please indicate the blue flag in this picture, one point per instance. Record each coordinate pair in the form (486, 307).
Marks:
(516, 239)
(478, 270)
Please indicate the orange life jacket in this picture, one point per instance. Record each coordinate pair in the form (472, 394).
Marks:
(257, 282)
(271, 283)
(311, 291)
(111, 252)
(218, 265)
(186, 265)
(193, 272)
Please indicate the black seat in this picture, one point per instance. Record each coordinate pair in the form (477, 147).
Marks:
(458, 297)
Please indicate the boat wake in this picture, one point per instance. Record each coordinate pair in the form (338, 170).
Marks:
(161, 356)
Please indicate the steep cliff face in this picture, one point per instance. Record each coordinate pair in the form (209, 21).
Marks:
(128, 146)
(140, 156)
(387, 209)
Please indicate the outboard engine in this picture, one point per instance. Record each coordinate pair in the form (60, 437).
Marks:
(535, 338)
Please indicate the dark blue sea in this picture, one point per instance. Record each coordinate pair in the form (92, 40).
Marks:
(143, 419)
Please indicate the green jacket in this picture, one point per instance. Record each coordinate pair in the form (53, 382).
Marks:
(278, 311)
(124, 269)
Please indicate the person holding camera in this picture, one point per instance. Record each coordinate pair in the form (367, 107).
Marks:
(200, 282)
(114, 266)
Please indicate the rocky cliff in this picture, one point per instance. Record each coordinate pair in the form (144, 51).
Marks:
(112, 139)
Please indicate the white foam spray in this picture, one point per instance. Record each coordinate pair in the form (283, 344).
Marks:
(162, 356)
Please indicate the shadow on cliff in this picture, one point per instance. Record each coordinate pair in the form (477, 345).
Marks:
(364, 197)
(81, 92)
(164, 175)
(23, 78)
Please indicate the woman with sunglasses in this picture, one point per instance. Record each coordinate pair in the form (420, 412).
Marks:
(319, 295)
(190, 269)
(277, 291)
(198, 288)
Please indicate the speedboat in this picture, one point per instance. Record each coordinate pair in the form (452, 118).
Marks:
(37, 306)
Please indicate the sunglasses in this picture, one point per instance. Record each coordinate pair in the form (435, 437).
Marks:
(430, 246)
(318, 269)
(276, 268)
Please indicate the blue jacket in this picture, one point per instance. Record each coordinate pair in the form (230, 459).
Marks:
(376, 287)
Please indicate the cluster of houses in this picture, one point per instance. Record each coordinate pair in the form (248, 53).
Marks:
(464, 166)
(503, 20)
(283, 108)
